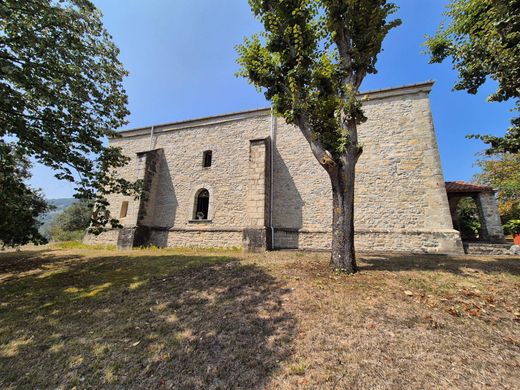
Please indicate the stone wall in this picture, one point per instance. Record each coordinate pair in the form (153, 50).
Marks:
(182, 175)
(108, 237)
(401, 202)
(399, 185)
(368, 240)
(255, 236)
(197, 238)
(491, 225)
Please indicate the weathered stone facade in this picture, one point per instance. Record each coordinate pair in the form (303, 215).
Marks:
(266, 190)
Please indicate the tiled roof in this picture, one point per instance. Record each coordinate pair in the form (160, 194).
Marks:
(461, 186)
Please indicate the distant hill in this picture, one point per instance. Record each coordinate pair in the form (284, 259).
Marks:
(60, 204)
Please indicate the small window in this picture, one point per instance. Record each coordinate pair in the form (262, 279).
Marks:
(206, 158)
(202, 205)
(124, 209)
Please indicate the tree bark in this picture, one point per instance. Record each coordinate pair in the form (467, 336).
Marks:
(342, 173)
(342, 178)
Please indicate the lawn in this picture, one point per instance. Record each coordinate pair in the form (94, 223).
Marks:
(94, 318)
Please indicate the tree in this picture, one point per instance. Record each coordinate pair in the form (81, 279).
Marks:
(72, 222)
(20, 205)
(482, 39)
(311, 61)
(502, 172)
(61, 95)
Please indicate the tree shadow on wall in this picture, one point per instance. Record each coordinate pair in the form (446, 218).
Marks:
(287, 205)
(183, 322)
(166, 205)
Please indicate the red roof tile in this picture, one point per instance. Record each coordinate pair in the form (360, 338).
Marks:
(461, 186)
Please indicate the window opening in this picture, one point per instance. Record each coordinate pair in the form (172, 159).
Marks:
(206, 158)
(201, 211)
(124, 209)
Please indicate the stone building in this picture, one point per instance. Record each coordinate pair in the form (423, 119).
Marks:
(249, 180)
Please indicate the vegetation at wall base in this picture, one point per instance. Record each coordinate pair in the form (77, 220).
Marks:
(512, 227)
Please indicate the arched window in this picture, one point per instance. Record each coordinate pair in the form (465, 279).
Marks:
(202, 205)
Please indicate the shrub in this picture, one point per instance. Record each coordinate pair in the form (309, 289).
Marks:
(512, 227)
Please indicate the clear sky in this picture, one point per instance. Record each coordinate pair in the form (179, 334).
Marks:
(181, 59)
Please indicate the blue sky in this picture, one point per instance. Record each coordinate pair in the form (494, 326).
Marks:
(181, 59)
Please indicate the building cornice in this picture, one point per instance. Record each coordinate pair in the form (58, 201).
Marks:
(378, 94)
(386, 93)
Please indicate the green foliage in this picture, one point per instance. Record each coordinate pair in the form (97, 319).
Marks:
(482, 39)
(512, 227)
(61, 93)
(71, 224)
(57, 234)
(467, 218)
(502, 173)
(20, 205)
(75, 217)
(312, 59)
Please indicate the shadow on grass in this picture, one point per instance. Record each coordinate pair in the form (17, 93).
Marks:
(24, 261)
(445, 263)
(127, 321)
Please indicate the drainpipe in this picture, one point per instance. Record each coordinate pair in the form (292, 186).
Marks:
(151, 137)
(271, 175)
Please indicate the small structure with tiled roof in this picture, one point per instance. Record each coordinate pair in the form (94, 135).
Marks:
(462, 186)
(484, 198)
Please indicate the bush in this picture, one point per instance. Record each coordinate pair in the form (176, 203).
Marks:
(467, 218)
(58, 234)
(512, 227)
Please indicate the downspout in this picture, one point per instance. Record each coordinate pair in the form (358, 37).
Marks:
(271, 174)
(151, 137)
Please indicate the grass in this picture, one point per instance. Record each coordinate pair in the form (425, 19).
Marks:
(81, 245)
(74, 316)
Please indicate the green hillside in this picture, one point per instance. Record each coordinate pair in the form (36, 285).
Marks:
(60, 204)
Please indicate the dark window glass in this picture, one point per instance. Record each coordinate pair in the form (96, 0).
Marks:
(201, 212)
(207, 158)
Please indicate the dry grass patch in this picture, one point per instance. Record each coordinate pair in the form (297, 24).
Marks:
(216, 319)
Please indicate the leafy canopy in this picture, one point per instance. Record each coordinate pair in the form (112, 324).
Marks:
(482, 39)
(20, 205)
(502, 172)
(312, 58)
(61, 93)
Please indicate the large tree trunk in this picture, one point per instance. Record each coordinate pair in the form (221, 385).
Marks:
(342, 177)
(342, 173)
